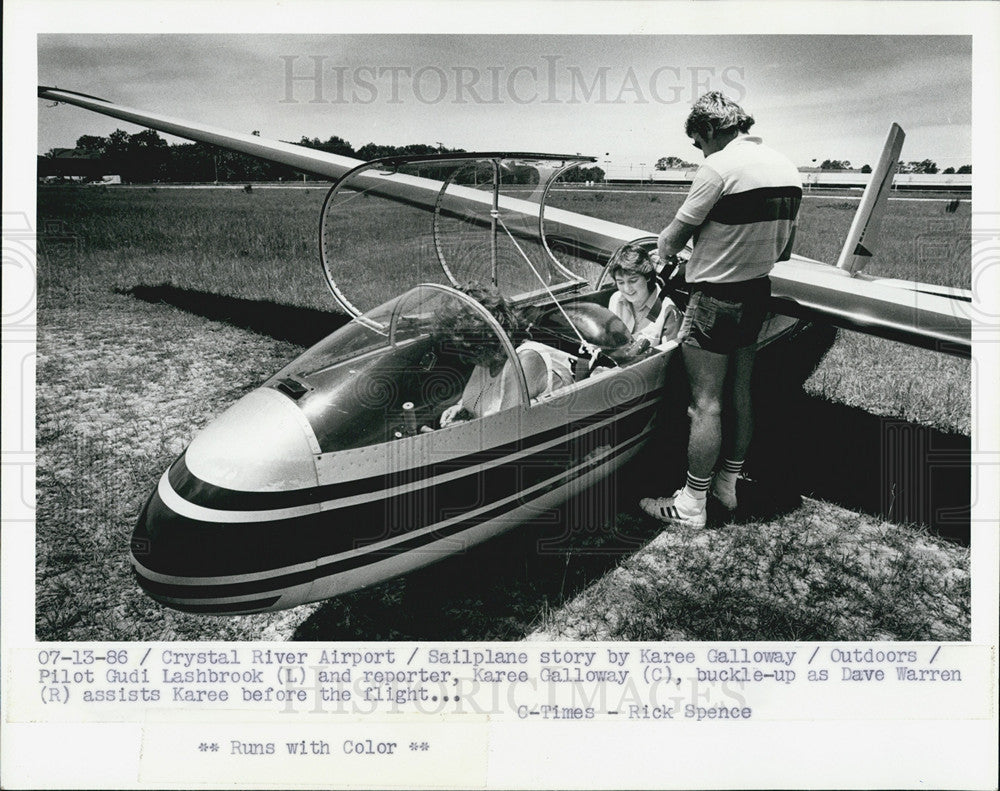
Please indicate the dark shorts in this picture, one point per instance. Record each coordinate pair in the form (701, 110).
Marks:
(724, 317)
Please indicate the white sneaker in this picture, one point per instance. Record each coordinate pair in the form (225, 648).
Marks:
(724, 494)
(676, 510)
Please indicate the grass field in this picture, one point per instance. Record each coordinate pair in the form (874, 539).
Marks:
(125, 383)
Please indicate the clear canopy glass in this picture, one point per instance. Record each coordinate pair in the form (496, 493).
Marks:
(448, 219)
(391, 372)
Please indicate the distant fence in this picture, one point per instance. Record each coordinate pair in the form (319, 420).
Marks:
(902, 181)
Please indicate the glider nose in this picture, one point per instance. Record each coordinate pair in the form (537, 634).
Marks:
(208, 527)
(262, 443)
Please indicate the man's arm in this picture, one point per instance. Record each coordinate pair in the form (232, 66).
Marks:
(706, 188)
(674, 237)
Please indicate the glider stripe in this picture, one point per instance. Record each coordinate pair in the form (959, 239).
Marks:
(366, 558)
(167, 542)
(202, 493)
(233, 608)
(531, 454)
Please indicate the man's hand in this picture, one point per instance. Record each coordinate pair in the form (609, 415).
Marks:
(673, 238)
(659, 263)
(669, 267)
(677, 273)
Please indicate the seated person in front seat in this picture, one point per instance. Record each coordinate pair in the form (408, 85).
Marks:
(650, 317)
(493, 384)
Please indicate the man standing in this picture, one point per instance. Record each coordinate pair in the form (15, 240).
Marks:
(741, 212)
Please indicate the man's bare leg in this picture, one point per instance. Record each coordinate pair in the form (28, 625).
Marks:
(706, 375)
(738, 439)
(742, 402)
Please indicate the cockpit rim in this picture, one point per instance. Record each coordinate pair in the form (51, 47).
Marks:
(389, 332)
(483, 313)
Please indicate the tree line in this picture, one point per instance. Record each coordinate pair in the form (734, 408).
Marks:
(924, 166)
(672, 163)
(145, 157)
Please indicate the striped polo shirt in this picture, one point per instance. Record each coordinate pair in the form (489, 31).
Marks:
(744, 200)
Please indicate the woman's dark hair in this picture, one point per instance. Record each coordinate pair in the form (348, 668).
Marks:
(464, 331)
(631, 260)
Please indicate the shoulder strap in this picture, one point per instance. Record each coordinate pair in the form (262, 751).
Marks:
(654, 310)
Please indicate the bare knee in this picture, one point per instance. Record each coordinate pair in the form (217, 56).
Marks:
(705, 408)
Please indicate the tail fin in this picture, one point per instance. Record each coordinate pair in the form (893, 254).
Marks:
(863, 236)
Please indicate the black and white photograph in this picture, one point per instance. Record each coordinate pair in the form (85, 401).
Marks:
(344, 430)
(444, 394)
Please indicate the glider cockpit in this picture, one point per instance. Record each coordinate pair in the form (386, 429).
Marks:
(340, 471)
(392, 370)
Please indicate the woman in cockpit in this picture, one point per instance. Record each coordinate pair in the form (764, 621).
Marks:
(649, 316)
(493, 385)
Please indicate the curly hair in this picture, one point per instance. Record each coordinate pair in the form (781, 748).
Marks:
(464, 330)
(715, 112)
(632, 260)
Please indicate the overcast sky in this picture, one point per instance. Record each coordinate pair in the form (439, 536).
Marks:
(622, 98)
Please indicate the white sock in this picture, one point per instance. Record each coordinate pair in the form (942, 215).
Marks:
(694, 493)
(728, 473)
